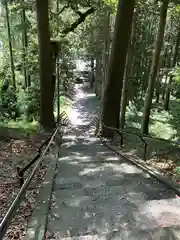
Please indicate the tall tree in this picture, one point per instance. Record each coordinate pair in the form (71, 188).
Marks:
(113, 88)
(45, 58)
(107, 41)
(10, 45)
(129, 63)
(124, 97)
(154, 68)
(25, 44)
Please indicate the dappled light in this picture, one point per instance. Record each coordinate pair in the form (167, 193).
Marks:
(90, 119)
(99, 194)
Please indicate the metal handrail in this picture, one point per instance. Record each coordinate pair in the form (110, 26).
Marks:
(121, 132)
(116, 130)
(161, 139)
(20, 172)
(63, 119)
(142, 139)
(15, 205)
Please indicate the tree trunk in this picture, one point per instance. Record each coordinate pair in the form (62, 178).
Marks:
(168, 92)
(158, 88)
(113, 88)
(27, 77)
(98, 74)
(46, 92)
(105, 65)
(154, 68)
(92, 73)
(10, 46)
(124, 97)
(164, 87)
(128, 69)
(106, 53)
(159, 79)
(106, 47)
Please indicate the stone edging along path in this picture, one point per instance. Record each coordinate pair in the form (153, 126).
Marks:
(36, 228)
(150, 170)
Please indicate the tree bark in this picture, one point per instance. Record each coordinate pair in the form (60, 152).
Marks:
(154, 68)
(164, 87)
(105, 55)
(159, 79)
(105, 64)
(98, 74)
(10, 46)
(46, 85)
(27, 77)
(57, 10)
(128, 68)
(92, 73)
(124, 97)
(106, 48)
(113, 88)
(166, 65)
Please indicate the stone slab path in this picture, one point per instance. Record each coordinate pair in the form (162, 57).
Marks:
(98, 195)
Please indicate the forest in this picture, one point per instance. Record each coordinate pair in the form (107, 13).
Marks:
(132, 50)
(131, 47)
(140, 83)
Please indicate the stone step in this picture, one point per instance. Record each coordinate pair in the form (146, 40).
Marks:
(37, 223)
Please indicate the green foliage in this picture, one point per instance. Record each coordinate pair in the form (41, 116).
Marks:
(176, 75)
(29, 102)
(9, 106)
(86, 42)
(163, 124)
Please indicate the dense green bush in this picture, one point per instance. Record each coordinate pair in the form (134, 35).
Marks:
(9, 103)
(29, 103)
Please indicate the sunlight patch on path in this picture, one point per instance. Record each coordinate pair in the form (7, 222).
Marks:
(98, 195)
(77, 114)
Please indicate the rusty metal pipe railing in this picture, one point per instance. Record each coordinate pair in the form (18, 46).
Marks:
(142, 140)
(121, 133)
(39, 157)
(116, 130)
(63, 118)
(20, 172)
(15, 205)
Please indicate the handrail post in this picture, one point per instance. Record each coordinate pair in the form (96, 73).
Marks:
(145, 149)
(20, 176)
(4, 224)
(122, 139)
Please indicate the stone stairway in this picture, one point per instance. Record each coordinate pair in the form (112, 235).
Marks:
(98, 195)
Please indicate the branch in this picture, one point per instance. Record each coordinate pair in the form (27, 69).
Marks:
(76, 11)
(81, 19)
(60, 11)
(64, 8)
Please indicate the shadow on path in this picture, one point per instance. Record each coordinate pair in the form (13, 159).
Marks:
(98, 195)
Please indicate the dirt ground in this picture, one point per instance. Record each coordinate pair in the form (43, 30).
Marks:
(17, 150)
(160, 154)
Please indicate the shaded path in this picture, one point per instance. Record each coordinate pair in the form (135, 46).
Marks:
(97, 195)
